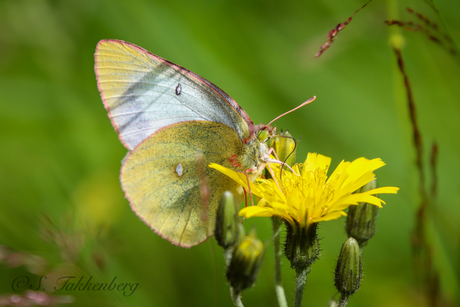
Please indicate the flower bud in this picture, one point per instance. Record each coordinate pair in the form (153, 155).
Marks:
(227, 221)
(246, 260)
(284, 146)
(349, 268)
(362, 218)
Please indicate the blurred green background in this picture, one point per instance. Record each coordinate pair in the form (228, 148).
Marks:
(62, 209)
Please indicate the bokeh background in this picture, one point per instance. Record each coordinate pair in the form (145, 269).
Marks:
(62, 211)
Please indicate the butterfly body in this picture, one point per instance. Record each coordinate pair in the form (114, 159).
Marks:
(174, 124)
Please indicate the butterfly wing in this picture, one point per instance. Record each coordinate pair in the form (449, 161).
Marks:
(162, 179)
(143, 92)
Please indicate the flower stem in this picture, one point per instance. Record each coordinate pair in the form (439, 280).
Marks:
(280, 295)
(300, 280)
(228, 256)
(343, 300)
(236, 297)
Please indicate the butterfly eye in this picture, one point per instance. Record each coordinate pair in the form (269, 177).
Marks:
(263, 135)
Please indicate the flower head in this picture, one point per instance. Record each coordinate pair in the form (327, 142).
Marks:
(246, 261)
(308, 196)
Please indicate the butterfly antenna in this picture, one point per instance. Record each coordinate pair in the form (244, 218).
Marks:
(303, 104)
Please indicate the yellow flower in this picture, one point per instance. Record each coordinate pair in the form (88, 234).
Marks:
(308, 195)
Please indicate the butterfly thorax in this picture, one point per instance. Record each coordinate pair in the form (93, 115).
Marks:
(253, 157)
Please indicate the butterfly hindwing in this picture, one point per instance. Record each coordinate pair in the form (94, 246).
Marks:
(162, 179)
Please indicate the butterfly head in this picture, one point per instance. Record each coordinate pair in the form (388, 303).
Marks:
(265, 132)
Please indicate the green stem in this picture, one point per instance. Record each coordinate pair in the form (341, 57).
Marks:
(235, 295)
(343, 300)
(300, 280)
(280, 295)
(228, 256)
(236, 298)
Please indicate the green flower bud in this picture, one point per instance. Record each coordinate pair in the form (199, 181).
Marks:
(349, 268)
(227, 221)
(362, 218)
(285, 147)
(245, 263)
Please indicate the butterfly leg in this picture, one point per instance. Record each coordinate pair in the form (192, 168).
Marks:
(249, 185)
(277, 160)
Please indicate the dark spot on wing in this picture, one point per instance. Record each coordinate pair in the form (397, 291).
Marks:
(178, 89)
(137, 89)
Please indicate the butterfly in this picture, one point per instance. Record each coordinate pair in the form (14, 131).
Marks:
(174, 124)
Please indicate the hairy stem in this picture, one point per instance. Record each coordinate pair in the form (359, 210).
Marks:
(300, 280)
(343, 300)
(236, 297)
(280, 295)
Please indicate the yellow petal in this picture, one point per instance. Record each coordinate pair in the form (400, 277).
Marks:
(383, 190)
(330, 216)
(238, 177)
(255, 211)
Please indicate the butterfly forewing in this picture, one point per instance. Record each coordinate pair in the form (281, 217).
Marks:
(144, 93)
